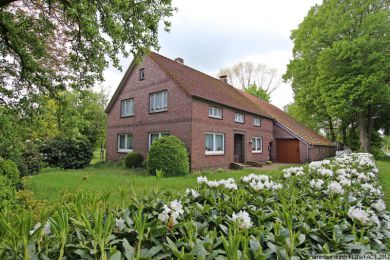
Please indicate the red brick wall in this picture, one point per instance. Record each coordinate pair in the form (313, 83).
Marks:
(202, 123)
(177, 120)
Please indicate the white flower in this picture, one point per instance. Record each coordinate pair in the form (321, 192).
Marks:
(201, 179)
(374, 219)
(335, 188)
(326, 172)
(35, 228)
(293, 171)
(47, 228)
(379, 205)
(351, 198)
(316, 184)
(345, 182)
(242, 219)
(120, 223)
(358, 214)
(164, 216)
(192, 192)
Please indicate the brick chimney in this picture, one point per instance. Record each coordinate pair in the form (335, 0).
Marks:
(223, 78)
(180, 60)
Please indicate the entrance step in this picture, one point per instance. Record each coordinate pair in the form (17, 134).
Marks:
(236, 166)
(254, 164)
(239, 166)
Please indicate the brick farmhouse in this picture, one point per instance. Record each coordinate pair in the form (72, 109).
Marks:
(218, 123)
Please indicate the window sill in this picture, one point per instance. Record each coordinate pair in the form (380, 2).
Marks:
(124, 151)
(257, 125)
(257, 151)
(239, 122)
(127, 116)
(215, 117)
(158, 111)
(214, 153)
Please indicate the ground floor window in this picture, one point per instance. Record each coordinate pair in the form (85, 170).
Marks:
(214, 143)
(125, 143)
(257, 145)
(154, 136)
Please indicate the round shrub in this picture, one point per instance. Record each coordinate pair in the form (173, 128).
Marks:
(133, 160)
(9, 170)
(68, 153)
(169, 155)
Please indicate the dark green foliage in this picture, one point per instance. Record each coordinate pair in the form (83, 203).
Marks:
(9, 170)
(133, 160)
(68, 153)
(169, 155)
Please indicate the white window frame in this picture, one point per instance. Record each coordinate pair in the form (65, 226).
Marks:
(159, 136)
(132, 109)
(213, 112)
(257, 119)
(214, 144)
(153, 100)
(255, 143)
(237, 117)
(126, 150)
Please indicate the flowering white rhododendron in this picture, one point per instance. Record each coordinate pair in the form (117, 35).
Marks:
(228, 183)
(192, 192)
(293, 171)
(243, 219)
(358, 214)
(335, 188)
(171, 212)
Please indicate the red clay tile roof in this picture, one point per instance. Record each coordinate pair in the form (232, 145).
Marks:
(198, 84)
(307, 134)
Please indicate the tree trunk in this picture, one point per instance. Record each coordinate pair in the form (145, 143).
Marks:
(331, 129)
(344, 133)
(370, 125)
(363, 135)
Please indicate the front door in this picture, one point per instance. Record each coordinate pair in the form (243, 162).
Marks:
(239, 148)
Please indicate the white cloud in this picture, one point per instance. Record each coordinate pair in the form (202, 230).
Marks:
(210, 35)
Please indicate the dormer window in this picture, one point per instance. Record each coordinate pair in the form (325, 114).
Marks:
(239, 118)
(142, 74)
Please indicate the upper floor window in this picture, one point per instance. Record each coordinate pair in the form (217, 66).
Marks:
(127, 107)
(256, 121)
(215, 112)
(239, 118)
(159, 101)
(214, 143)
(257, 145)
(142, 74)
(154, 136)
(125, 143)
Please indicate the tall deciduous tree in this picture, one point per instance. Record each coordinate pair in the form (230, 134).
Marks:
(248, 75)
(52, 45)
(341, 62)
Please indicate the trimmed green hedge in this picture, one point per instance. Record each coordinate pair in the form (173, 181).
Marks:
(133, 160)
(68, 153)
(170, 155)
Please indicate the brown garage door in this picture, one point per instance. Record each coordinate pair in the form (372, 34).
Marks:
(287, 150)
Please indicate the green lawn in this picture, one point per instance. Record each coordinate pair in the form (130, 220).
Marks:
(49, 184)
(384, 178)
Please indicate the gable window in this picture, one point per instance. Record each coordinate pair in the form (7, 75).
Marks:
(142, 74)
(158, 101)
(239, 118)
(215, 112)
(214, 143)
(125, 143)
(127, 107)
(257, 145)
(154, 136)
(256, 121)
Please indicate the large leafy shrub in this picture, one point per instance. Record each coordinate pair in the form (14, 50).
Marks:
(170, 155)
(133, 160)
(9, 170)
(68, 153)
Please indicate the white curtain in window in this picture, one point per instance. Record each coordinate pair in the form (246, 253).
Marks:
(218, 142)
(209, 142)
(122, 142)
(129, 142)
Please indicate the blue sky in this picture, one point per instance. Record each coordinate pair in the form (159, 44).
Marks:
(210, 35)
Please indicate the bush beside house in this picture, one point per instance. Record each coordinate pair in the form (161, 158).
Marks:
(170, 155)
(133, 160)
